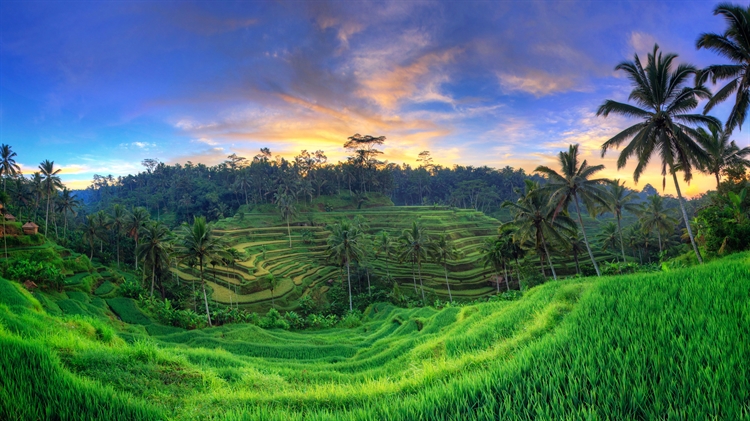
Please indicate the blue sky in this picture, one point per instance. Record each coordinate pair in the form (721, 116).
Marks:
(99, 86)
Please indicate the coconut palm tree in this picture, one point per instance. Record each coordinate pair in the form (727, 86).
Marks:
(117, 222)
(575, 183)
(51, 182)
(655, 218)
(90, 233)
(577, 247)
(344, 247)
(722, 153)
(496, 253)
(197, 242)
(273, 283)
(443, 250)
(662, 97)
(67, 203)
(608, 236)
(133, 224)
(8, 165)
(101, 220)
(286, 208)
(733, 44)
(384, 244)
(535, 221)
(621, 199)
(416, 247)
(154, 249)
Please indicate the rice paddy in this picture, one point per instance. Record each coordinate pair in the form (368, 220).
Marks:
(670, 345)
(303, 269)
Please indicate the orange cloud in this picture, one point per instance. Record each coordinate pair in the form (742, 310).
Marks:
(538, 83)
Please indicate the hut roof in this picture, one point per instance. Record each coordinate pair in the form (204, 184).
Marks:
(30, 225)
(9, 216)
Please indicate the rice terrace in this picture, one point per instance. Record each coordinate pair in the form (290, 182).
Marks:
(367, 210)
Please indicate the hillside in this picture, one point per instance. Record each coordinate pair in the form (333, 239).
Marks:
(659, 346)
(304, 270)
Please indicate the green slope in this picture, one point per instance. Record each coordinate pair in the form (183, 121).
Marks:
(658, 346)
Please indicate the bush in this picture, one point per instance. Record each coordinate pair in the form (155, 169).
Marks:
(273, 320)
(319, 321)
(351, 320)
(295, 321)
(40, 272)
(131, 289)
(77, 265)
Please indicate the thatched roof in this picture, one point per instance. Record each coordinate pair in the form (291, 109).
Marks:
(30, 225)
(9, 216)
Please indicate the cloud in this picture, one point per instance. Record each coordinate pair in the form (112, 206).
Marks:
(145, 146)
(538, 83)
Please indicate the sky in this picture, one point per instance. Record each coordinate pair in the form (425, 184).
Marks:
(97, 87)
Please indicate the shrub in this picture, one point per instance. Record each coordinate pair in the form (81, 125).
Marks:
(131, 289)
(273, 320)
(40, 272)
(351, 320)
(295, 321)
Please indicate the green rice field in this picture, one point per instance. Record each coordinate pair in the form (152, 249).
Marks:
(667, 346)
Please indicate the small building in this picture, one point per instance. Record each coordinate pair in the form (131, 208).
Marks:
(30, 228)
(10, 218)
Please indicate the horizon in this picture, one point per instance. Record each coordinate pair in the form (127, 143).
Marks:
(97, 88)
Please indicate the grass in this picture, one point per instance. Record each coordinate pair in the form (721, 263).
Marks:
(668, 345)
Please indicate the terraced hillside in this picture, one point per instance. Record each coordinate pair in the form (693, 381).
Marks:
(304, 270)
(647, 346)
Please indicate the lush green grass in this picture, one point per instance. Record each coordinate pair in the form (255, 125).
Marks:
(658, 346)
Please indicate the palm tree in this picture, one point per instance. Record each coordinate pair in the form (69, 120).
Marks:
(572, 184)
(117, 223)
(608, 236)
(133, 225)
(101, 221)
(51, 183)
(344, 246)
(733, 44)
(154, 249)
(384, 244)
(620, 199)
(655, 218)
(416, 246)
(444, 250)
(722, 153)
(273, 283)
(534, 220)
(196, 242)
(285, 204)
(577, 247)
(663, 96)
(495, 253)
(243, 182)
(67, 203)
(8, 166)
(90, 233)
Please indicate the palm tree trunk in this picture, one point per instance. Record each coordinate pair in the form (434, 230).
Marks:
(507, 284)
(658, 234)
(549, 259)
(447, 284)
(585, 239)
(414, 276)
(289, 232)
(136, 254)
(718, 180)
(421, 286)
(622, 243)
(685, 217)
(497, 282)
(47, 216)
(205, 297)
(575, 258)
(369, 289)
(349, 281)
(5, 234)
(153, 277)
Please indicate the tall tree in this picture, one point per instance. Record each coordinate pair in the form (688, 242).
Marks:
(8, 165)
(90, 233)
(655, 218)
(575, 182)
(117, 222)
(273, 283)
(621, 199)
(495, 253)
(416, 247)
(286, 208)
(344, 247)
(67, 203)
(534, 220)
(733, 44)
(662, 96)
(196, 242)
(384, 244)
(154, 249)
(133, 224)
(51, 182)
(443, 251)
(722, 153)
